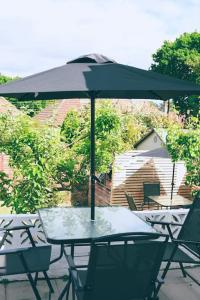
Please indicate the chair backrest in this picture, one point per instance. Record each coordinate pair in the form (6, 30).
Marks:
(191, 227)
(150, 189)
(123, 269)
(131, 201)
(36, 258)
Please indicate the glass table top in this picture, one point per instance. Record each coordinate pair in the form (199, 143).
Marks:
(70, 224)
(165, 200)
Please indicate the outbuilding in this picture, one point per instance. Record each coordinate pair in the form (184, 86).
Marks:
(150, 162)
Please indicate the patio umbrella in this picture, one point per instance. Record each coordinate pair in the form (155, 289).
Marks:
(96, 76)
(172, 183)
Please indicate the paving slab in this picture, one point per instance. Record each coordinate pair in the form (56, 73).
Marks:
(175, 288)
(21, 290)
(180, 291)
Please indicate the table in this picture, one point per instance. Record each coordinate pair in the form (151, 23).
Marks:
(65, 225)
(72, 226)
(166, 201)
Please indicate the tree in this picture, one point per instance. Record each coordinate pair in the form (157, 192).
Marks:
(184, 144)
(4, 79)
(115, 132)
(34, 152)
(108, 131)
(46, 160)
(181, 59)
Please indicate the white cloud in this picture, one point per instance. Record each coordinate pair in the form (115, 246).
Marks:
(39, 34)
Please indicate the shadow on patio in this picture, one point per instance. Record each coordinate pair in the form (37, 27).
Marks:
(175, 288)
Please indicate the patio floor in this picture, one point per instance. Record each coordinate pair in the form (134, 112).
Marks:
(175, 288)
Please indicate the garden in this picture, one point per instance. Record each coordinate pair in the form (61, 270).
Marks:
(48, 161)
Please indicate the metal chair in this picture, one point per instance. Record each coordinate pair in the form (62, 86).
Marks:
(25, 260)
(131, 201)
(185, 249)
(121, 266)
(150, 189)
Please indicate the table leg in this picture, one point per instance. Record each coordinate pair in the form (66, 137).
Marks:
(72, 254)
(67, 287)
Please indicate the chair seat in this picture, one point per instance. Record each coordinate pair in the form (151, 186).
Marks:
(179, 257)
(37, 260)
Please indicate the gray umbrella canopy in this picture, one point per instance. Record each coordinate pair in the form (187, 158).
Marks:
(100, 76)
(96, 76)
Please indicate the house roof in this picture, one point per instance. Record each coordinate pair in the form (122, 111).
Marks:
(161, 132)
(56, 112)
(144, 138)
(7, 107)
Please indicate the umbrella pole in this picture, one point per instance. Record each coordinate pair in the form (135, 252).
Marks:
(92, 158)
(172, 184)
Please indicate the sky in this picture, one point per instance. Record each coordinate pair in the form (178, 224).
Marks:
(37, 35)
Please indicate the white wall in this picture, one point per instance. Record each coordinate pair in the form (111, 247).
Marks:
(152, 142)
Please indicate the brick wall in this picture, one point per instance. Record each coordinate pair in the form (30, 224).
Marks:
(102, 195)
(4, 165)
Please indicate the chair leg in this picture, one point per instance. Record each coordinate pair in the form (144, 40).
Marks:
(30, 278)
(36, 278)
(48, 282)
(183, 270)
(163, 276)
(65, 291)
(68, 289)
(73, 291)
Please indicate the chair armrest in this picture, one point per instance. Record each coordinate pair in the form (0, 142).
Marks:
(163, 222)
(16, 250)
(20, 227)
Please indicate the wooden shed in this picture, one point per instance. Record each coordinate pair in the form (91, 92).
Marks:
(134, 168)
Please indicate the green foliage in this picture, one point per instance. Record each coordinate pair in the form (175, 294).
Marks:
(4, 79)
(133, 129)
(42, 163)
(31, 108)
(46, 160)
(137, 124)
(5, 187)
(185, 145)
(76, 133)
(181, 59)
(34, 154)
(115, 133)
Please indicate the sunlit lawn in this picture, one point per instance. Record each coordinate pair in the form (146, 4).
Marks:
(4, 210)
(64, 200)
